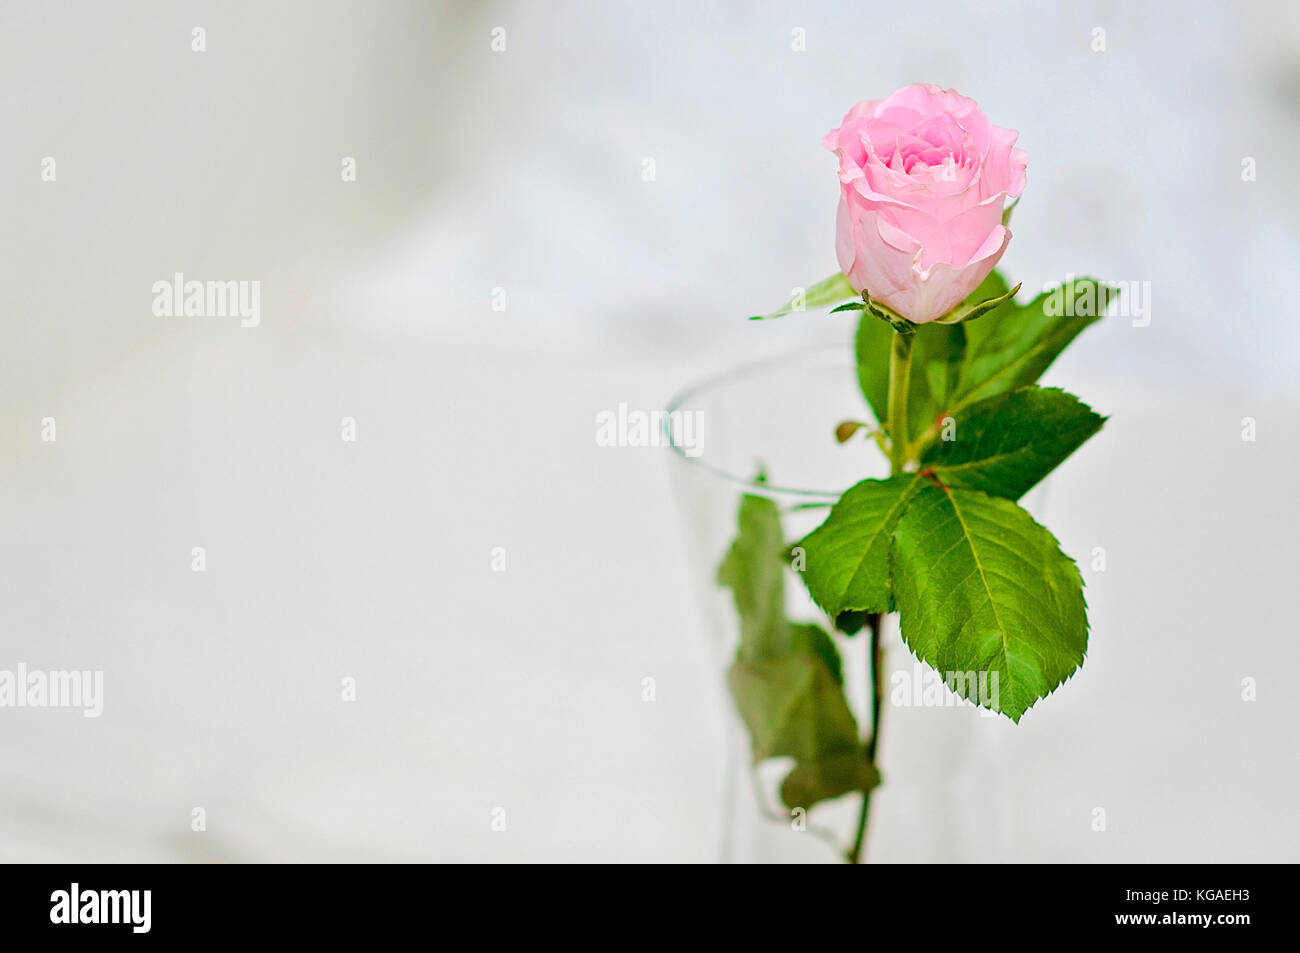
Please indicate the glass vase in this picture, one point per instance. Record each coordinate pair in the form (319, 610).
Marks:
(939, 755)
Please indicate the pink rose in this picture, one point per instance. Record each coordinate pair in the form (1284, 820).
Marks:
(924, 176)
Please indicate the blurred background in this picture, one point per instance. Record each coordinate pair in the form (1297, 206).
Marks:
(557, 208)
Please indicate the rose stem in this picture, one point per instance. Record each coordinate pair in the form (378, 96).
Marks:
(900, 370)
(874, 621)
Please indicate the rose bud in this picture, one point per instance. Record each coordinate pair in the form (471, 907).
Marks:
(924, 177)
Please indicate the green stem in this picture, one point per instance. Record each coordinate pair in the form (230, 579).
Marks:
(900, 373)
(877, 695)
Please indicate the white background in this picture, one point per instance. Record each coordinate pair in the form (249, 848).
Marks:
(522, 170)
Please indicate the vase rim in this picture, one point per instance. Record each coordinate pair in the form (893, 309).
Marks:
(738, 372)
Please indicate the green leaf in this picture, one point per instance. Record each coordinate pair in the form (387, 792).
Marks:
(833, 775)
(955, 365)
(983, 590)
(805, 637)
(754, 570)
(824, 293)
(871, 347)
(787, 678)
(847, 557)
(937, 351)
(1008, 348)
(1005, 444)
(793, 706)
(1012, 348)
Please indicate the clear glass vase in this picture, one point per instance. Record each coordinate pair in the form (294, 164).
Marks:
(939, 756)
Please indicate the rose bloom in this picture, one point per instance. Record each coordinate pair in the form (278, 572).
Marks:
(924, 177)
